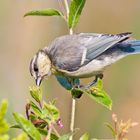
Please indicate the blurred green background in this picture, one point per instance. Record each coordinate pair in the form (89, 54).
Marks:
(21, 38)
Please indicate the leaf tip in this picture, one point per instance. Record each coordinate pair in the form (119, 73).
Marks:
(110, 106)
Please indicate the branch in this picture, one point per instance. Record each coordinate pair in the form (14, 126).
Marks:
(67, 8)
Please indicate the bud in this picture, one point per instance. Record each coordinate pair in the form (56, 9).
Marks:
(59, 123)
(114, 117)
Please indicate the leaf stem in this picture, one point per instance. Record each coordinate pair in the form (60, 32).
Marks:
(49, 132)
(67, 8)
(56, 132)
(72, 117)
(73, 104)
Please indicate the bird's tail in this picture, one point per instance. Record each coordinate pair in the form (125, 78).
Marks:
(134, 47)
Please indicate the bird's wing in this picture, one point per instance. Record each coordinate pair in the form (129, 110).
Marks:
(70, 52)
(97, 45)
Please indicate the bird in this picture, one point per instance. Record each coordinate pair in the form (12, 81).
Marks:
(81, 55)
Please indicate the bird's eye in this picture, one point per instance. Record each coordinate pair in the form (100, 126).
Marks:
(35, 68)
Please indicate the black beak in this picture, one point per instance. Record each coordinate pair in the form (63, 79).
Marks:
(38, 81)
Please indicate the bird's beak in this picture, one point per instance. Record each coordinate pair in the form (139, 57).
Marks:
(38, 81)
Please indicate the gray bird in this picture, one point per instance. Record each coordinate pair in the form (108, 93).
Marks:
(81, 55)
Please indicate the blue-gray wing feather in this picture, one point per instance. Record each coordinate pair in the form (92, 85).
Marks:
(67, 52)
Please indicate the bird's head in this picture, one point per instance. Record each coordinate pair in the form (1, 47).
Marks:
(40, 66)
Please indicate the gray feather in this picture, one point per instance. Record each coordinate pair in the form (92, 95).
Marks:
(66, 52)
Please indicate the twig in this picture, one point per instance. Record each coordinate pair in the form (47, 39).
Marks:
(72, 117)
(67, 8)
(56, 132)
(49, 132)
(73, 106)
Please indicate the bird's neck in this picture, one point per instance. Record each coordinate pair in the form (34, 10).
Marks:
(53, 70)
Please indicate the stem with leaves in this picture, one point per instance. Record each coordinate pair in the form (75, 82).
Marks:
(73, 106)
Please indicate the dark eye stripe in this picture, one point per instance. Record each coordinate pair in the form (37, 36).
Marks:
(30, 68)
(35, 67)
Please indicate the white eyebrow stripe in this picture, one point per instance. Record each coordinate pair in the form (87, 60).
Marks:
(84, 56)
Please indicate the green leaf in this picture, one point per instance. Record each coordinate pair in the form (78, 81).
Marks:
(99, 84)
(15, 126)
(76, 7)
(84, 137)
(32, 117)
(3, 109)
(36, 93)
(4, 126)
(44, 12)
(50, 112)
(67, 136)
(101, 97)
(45, 132)
(54, 137)
(4, 137)
(97, 93)
(22, 136)
(35, 109)
(27, 127)
(111, 128)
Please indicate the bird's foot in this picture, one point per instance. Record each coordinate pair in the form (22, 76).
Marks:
(78, 89)
(95, 80)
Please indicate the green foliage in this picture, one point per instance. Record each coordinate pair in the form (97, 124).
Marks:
(4, 137)
(111, 128)
(22, 136)
(50, 113)
(4, 127)
(67, 136)
(97, 93)
(47, 112)
(120, 129)
(3, 109)
(84, 137)
(36, 94)
(44, 12)
(40, 116)
(27, 127)
(35, 109)
(76, 7)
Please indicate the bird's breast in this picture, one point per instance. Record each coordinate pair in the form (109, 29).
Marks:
(93, 68)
